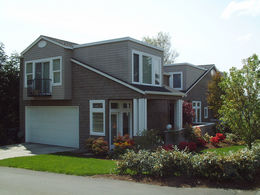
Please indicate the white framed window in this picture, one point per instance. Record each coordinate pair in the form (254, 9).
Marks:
(46, 68)
(196, 106)
(206, 112)
(176, 80)
(97, 117)
(146, 69)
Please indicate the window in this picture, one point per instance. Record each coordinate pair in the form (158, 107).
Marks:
(206, 112)
(146, 69)
(196, 106)
(97, 117)
(56, 70)
(47, 68)
(176, 80)
(29, 73)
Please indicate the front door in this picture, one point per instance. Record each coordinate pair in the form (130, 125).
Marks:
(120, 119)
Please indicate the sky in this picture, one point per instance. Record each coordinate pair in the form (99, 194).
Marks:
(220, 32)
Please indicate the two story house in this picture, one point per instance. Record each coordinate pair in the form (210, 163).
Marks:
(193, 81)
(70, 92)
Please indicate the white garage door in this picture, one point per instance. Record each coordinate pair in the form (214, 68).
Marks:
(54, 125)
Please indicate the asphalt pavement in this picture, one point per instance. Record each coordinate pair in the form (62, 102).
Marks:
(25, 182)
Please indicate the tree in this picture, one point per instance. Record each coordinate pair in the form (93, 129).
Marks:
(214, 94)
(188, 113)
(163, 40)
(241, 101)
(9, 90)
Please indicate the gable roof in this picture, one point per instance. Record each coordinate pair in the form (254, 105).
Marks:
(138, 88)
(59, 42)
(187, 64)
(209, 68)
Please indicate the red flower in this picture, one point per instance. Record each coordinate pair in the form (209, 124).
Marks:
(214, 140)
(220, 136)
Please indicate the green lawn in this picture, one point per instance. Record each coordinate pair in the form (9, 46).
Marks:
(222, 151)
(62, 164)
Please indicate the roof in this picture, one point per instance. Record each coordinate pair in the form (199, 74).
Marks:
(153, 90)
(206, 66)
(63, 42)
(186, 64)
(71, 45)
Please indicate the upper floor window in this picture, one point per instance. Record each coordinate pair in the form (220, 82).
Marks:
(146, 69)
(47, 68)
(176, 80)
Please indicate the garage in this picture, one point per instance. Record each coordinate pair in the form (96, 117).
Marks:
(53, 125)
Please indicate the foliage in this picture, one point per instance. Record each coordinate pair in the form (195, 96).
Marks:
(206, 137)
(189, 146)
(188, 133)
(149, 139)
(188, 113)
(241, 102)
(89, 144)
(122, 143)
(215, 140)
(197, 131)
(158, 163)
(100, 146)
(65, 164)
(214, 94)
(235, 165)
(201, 142)
(168, 147)
(231, 138)
(9, 98)
(163, 40)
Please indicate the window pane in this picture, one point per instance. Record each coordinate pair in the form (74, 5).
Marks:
(157, 71)
(56, 77)
(29, 68)
(114, 105)
(97, 105)
(136, 68)
(29, 79)
(147, 70)
(56, 64)
(126, 123)
(98, 122)
(113, 127)
(46, 70)
(177, 81)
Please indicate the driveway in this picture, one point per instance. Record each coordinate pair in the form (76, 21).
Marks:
(21, 181)
(29, 149)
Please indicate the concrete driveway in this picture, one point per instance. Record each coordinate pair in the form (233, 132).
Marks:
(29, 149)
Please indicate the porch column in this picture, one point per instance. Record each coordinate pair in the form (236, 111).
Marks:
(178, 115)
(140, 115)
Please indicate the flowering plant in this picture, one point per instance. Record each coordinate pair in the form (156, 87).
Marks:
(168, 147)
(100, 146)
(190, 146)
(124, 142)
(220, 136)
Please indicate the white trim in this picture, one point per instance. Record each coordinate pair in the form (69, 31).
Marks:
(183, 64)
(164, 93)
(136, 117)
(50, 60)
(117, 40)
(213, 66)
(171, 80)
(108, 76)
(154, 58)
(97, 110)
(47, 39)
(206, 115)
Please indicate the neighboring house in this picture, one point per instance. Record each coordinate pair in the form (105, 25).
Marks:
(193, 81)
(71, 91)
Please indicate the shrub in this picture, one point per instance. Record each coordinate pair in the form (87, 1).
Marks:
(149, 139)
(187, 113)
(236, 165)
(190, 146)
(188, 133)
(201, 142)
(214, 141)
(89, 143)
(197, 131)
(206, 137)
(168, 147)
(220, 136)
(122, 143)
(231, 138)
(100, 146)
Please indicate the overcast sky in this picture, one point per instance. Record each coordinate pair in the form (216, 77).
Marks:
(221, 32)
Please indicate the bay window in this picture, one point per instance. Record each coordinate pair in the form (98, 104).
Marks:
(146, 69)
(97, 117)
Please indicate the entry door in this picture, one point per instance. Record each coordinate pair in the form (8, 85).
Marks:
(196, 106)
(120, 119)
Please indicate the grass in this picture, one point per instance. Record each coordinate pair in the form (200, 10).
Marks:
(62, 164)
(225, 150)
